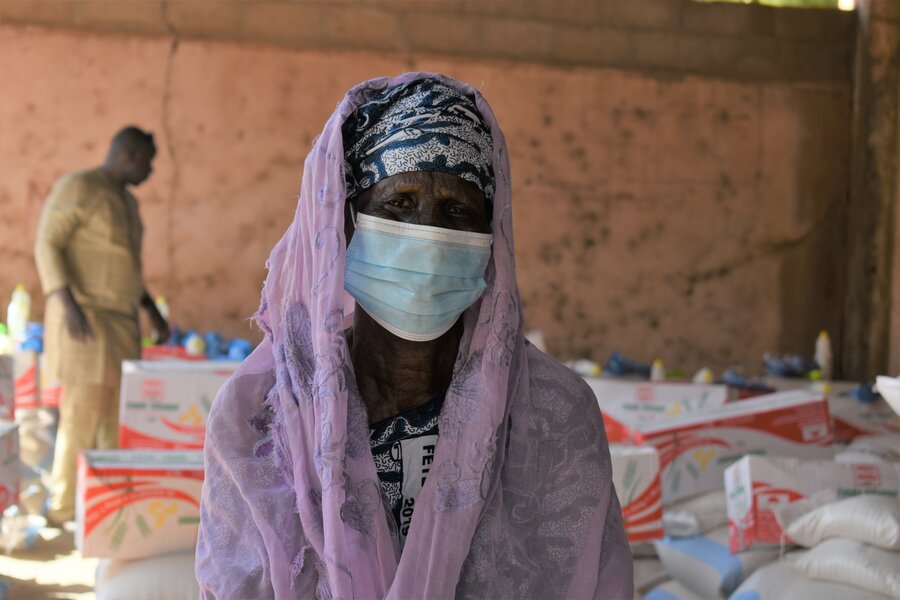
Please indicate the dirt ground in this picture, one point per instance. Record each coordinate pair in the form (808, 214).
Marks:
(51, 570)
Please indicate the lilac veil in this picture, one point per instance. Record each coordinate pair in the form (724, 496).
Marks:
(519, 502)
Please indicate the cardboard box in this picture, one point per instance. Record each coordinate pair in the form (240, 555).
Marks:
(25, 371)
(626, 404)
(850, 417)
(756, 485)
(7, 387)
(165, 404)
(50, 390)
(636, 477)
(695, 450)
(853, 419)
(132, 504)
(9, 464)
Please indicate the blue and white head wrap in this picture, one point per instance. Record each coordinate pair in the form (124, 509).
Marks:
(422, 125)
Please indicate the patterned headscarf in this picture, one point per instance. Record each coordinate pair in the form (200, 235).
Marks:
(421, 125)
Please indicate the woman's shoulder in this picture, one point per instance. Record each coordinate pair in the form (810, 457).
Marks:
(559, 402)
(548, 375)
(237, 408)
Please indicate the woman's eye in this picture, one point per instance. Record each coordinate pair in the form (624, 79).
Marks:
(401, 202)
(457, 210)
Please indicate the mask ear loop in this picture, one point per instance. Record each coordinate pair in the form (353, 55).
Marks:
(352, 214)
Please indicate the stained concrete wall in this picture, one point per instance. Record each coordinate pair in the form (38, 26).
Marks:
(698, 218)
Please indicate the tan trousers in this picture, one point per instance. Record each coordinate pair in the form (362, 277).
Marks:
(88, 419)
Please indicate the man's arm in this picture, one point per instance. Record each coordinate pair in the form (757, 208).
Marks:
(62, 215)
(159, 322)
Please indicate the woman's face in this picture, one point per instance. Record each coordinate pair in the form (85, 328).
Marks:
(427, 198)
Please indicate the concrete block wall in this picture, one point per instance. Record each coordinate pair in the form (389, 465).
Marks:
(681, 36)
(692, 211)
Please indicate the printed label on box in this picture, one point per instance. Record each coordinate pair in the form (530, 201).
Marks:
(131, 504)
(165, 404)
(756, 485)
(636, 478)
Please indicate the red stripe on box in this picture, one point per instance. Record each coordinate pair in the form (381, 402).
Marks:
(135, 440)
(97, 513)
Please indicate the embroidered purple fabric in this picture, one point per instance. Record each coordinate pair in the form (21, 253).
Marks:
(520, 501)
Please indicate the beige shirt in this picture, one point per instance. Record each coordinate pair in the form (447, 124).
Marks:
(89, 239)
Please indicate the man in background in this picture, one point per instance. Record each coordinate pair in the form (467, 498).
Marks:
(88, 254)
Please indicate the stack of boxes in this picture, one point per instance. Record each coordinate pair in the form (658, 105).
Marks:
(9, 436)
(676, 447)
(143, 500)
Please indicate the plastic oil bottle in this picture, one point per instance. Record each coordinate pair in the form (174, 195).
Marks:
(163, 307)
(823, 356)
(17, 314)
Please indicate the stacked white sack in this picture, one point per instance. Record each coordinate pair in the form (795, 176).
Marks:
(696, 516)
(168, 577)
(756, 486)
(853, 541)
(778, 581)
(705, 565)
(672, 590)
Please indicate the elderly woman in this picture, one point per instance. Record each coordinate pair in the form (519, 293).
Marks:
(395, 436)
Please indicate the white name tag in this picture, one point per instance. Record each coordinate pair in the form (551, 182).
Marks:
(418, 455)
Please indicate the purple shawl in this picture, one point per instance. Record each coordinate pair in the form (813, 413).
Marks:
(519, 502)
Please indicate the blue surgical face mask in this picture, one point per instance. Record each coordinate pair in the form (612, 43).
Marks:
(415, 280)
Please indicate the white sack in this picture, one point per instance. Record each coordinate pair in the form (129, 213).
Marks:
(778, 581)
(696, 516)
(852, 563)
(671, 590)
(167, 577)
(868, 518)
(706, 566)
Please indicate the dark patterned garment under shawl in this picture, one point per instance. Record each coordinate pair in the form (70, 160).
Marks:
(403, 448)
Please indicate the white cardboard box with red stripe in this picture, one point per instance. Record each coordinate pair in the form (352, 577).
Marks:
(636, 477)
(7, 387)
(10, 471)
(25, 379)
(756, 485)
(851, 418)
(134, 503)
(695, 450)
(626, 404)
(165, 404)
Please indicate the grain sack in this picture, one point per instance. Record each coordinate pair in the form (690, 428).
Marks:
(778, 581)
(706, 566)
(852, 563)
(166, 577)
(696, 516)
(872, 519)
